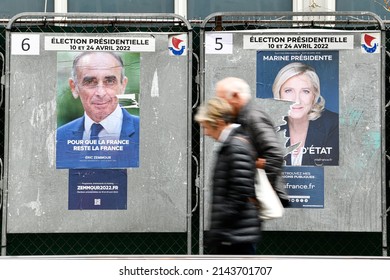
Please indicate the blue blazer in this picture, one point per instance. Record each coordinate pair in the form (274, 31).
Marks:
(322, 141)
(74, 155)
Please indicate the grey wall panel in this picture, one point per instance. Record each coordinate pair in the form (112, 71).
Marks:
(157, 190)
(352, 190)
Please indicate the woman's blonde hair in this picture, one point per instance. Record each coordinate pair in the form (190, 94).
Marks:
(213, 110)
(295, 69)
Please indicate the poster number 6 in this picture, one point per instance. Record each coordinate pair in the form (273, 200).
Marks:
(219, 43)
(25, 44)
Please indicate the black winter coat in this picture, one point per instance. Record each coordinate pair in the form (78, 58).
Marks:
(262, 132)
(234, 219)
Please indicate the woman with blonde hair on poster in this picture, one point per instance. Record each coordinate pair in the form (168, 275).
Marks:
(311, 126)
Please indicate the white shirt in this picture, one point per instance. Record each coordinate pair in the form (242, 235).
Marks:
(223, 136)
(296, 159)
(226, 132)
(112, 125)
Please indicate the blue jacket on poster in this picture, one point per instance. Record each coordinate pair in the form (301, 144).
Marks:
(322, 141)
(73, 155)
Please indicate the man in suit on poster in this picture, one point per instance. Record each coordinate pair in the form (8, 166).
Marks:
(106, 136)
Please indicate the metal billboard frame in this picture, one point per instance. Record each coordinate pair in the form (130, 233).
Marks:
(157, 22)
(240, 21)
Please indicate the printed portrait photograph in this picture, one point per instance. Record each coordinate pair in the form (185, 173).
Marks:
(310, 81)
(98, 124)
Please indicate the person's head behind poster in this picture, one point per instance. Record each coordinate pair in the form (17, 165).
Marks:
(299, 83)
(97, 79)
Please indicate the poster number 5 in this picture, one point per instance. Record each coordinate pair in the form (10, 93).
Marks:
(219, 43)
(25, 44)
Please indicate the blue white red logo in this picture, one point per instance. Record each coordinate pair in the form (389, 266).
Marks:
(371, 42)
(177, 44)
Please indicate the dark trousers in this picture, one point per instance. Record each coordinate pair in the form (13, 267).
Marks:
(235, 249)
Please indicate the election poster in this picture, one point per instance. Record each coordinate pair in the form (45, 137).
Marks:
(310, 81)
(98, 125)
(95, 189)
(305, 186)
(97, 109)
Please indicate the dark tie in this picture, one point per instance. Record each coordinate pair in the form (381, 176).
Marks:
(95, 129)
